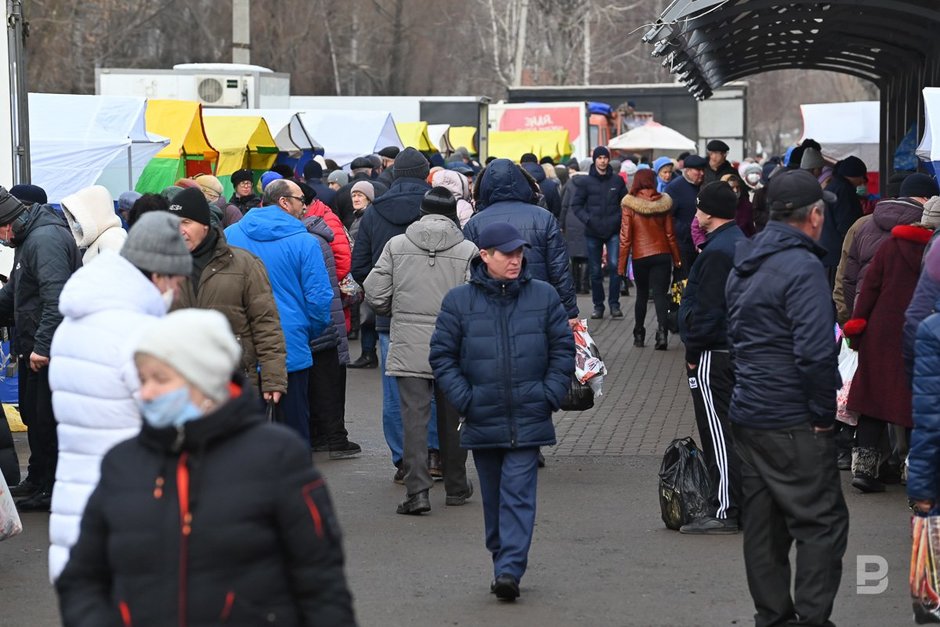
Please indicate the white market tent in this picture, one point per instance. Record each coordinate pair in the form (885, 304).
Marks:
(346, 135)
(77, 141)
(845, 129)
(652, 136)
(440, 137)
(288, 129)
(929, 148)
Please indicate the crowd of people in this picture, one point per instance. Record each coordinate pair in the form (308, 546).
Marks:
(159, 336)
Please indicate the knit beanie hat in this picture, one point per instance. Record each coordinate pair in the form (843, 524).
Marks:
(439, 201)
(851, 166)
(411, 164)
(931, 215)
(210, 183)
(338, 176)
(284, 170)
(239, 176)
(364, 187)
(191, 203)
(528, 157)
(10, 207)
(127, 200)
(29, 194)
(437, 161)
(199, 345)
(812, 159)
(919, 185)
(718, 199)
(155, 245)
(267, 177)
(599, 151)
(313, 171)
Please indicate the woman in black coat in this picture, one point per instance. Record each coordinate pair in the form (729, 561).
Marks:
(211, 515)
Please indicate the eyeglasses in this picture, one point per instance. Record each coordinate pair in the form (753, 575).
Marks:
(300, 198)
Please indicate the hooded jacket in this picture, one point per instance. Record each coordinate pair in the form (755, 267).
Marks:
(596, 202)
(298, 276)
(506, 196)
(888, 214)
(106, 306)
(387, 216)
(414, 273)
(224, 521)
(781, 324)
(235, 283)
(503, 354)
(334, 336)
(91, 217)
(460, 188)
(44, 259)
(550, 189)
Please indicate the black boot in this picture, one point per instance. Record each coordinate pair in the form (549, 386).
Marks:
(865, 461)
(662, 339)
(639, 337)
(366, 360)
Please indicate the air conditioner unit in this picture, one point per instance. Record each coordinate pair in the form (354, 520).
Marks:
(220, 91)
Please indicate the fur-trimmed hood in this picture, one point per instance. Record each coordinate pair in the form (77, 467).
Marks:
(663, 204)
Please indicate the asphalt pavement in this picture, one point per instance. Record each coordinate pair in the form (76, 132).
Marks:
(601, 554)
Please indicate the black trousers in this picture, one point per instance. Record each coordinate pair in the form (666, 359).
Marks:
(36, 411)
(651, 273)
(9, 462)
(790, 491)
(711, 383)
(327, 397)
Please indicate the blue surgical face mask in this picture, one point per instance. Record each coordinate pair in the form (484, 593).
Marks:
(171, 409)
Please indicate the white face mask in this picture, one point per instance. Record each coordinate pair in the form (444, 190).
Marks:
(168, 298)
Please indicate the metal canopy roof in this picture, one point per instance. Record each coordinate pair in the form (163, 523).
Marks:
(711, 42)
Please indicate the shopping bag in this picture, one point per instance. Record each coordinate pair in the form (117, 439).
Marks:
(580, 397)
(350, 292)
(848, 364)
(924, 582)
(589, 366)
(684, 485)
(10, 524)
(672, 312)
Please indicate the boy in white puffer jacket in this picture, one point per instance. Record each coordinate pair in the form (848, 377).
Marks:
(106, 306)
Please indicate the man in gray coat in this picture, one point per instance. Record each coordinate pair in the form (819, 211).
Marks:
(413, 274)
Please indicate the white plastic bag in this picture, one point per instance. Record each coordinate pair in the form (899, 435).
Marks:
(589, 368)
(848, 364)
(10, 524)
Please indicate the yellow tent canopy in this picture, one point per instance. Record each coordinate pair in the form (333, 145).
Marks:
(242, 141)
(513, 144)
(415, 135)
(463, 136)
(181, 122)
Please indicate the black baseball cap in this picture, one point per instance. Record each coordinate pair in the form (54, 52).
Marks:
(502, 236)
(792, 189)
(694, 162)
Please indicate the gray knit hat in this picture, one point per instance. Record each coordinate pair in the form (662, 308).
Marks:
(199, 345)
(364, 187)
(410, 163)
(931, 215)
(339, 177)
(155, 245)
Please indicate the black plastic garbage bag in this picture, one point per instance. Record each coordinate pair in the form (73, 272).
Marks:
(684, 485)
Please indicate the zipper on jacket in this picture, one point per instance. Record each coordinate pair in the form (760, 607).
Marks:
(227, 608)
(125, 613)
(186, 519)
(508, 369)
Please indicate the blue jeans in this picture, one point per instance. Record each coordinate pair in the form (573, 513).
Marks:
(595, 248)
(508, 480)
(391, 410)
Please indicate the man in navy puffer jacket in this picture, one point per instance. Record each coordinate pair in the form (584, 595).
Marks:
(549, 187)
(503, 353)
(506, 196)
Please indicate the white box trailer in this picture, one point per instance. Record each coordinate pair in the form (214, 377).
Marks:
(221, 85)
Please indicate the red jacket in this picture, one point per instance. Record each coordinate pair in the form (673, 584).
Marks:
(342, 252)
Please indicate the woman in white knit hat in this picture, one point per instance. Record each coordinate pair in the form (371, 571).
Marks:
(211, 514)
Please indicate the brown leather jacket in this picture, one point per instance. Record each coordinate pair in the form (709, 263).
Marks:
(646, 227)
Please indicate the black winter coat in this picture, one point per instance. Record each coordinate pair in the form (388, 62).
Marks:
(245, 203)
(703, 312)
(44, 259)
(571, 227)
(334, 336)
(388, 216)
(503, 353)
(840, 215)
(222, 522)
(596, 202)
(551, 191)
(506, 197)
(781, 322)
(326, 195)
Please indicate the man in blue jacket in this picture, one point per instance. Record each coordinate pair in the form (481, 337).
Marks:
(596, 203)
(781, 322)
(503, 353)
(302, 291)
(703, 326)
(683, 190)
